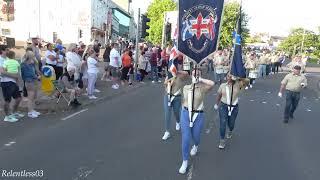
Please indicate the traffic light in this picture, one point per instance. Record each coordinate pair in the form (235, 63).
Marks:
(80, 33)
(168, 32)
(144, 26)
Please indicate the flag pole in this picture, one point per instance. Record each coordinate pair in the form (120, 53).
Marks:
(236, 28)
(221, 22)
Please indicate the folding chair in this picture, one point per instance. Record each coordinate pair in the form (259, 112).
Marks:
(60, 92)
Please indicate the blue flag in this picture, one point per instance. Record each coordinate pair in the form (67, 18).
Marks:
(199, 23)
(237, 66)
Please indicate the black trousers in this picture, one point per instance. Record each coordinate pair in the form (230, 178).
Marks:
(292, 101)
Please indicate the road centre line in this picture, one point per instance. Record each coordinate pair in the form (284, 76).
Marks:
(74, 114)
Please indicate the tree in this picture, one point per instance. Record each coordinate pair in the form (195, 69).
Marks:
(155, 12)
(229, 20)
(311, 41)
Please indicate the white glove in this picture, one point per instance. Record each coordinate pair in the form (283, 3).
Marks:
(303, 84)
(216, 107)
(280, 94)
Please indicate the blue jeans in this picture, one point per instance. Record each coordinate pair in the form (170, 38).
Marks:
(187, 133)
(175, 106)
(154, 73)
(210, 69)
(220, 77)
(225, 119)
(262, 70)
(292, 101)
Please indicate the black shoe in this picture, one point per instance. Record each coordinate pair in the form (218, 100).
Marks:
(75, 103)
(286, 121)
(291, 117)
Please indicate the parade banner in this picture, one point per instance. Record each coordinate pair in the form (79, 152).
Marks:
(199, 24)
(237, 66)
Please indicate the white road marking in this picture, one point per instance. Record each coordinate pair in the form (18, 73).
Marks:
(10, 143)
(74, 114)
(190, 173)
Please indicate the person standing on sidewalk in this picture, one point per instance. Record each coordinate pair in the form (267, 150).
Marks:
(73, 59)
(106, 59)
(142, 66)
(60, 63)
(227, 105)
(293, 83)
(9, 69)
(192, 116)
(126, 66)
(115, 64)
(30, 78)
(51, 57)
(93, 70)
(172, 100)
(36, 51)
(154, 65)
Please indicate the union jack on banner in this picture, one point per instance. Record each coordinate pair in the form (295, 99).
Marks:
(173, 55)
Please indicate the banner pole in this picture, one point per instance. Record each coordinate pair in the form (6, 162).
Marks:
(221, 22)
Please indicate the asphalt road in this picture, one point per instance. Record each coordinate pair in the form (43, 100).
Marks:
(120, 139)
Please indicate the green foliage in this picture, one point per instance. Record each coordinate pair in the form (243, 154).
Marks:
(230, 17)
(156, 12)
(293, 43)
(253, 39)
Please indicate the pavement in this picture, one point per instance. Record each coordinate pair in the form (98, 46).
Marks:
(120, 139)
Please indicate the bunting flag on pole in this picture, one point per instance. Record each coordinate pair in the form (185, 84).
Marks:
(199, 25)
(237, 66)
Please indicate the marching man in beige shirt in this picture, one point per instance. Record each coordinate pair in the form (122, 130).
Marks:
(293, 83)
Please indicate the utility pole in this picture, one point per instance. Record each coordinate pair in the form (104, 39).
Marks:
(137, 44)
(303, 38)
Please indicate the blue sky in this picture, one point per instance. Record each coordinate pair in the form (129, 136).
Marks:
(276, 17)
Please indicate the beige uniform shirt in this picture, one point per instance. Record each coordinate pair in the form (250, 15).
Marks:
(219, 61)
(264, 59)
(236, 91)
(199, 95)
(176, 85)
(293, 82)
(250, 64)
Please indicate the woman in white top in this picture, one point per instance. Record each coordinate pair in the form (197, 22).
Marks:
(51, 57)
(93, 70)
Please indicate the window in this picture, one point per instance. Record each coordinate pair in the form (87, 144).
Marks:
(5, 32)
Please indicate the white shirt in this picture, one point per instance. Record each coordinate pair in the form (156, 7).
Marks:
(92, 65)
(49, 61)
(115, 59)
(5, 78)
(73, 58)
